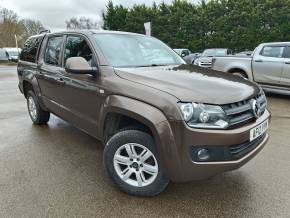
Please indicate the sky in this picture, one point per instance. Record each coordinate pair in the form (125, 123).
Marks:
(54, 13)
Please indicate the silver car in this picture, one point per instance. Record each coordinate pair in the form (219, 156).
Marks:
(269, 66)
(205, 60)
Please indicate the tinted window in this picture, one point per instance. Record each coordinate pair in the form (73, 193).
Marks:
(76, 46)
(273, 51)
(29, 51)
(52, 52)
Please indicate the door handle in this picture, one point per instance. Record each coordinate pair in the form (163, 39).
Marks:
(287, 62)
(258, 60)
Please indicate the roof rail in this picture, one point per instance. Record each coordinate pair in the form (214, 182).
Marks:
(44, 31)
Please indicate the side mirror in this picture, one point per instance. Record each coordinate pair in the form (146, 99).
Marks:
(79, 65)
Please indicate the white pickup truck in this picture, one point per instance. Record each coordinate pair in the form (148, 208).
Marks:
(269, 65)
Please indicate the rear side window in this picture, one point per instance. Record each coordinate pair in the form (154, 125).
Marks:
(53, 50)
(273, 51)
(30, 49)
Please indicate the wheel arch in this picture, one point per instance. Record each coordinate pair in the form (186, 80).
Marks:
(237, 69)
(154, 121)
(131, 110)
(30, 82)
(234, 68)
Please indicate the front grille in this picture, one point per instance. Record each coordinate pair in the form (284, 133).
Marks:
(206, 64)
(241, 113)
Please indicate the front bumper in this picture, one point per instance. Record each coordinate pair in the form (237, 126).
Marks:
(185, 138)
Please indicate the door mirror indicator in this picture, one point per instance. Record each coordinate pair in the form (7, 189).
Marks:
(79, 65)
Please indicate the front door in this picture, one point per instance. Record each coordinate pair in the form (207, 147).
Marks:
(268, 65)
(82, 95)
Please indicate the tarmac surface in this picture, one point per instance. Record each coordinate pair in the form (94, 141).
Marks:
(56, 171)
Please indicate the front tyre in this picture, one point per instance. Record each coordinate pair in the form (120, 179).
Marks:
(132, 161)
(37, 115)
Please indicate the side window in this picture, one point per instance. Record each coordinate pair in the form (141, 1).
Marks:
(287, 52)
(52, 51)
(273, 51)
(29, 51)
(76, 46)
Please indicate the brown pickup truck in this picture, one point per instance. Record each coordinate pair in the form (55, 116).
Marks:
(159, 119)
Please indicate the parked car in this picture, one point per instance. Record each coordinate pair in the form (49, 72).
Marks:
(3, 55)
(187, 55)
(12, 54)
(244, 53)
(191, 57)
(269, 65)
(182, 52)
(160, 119)
(205, 60)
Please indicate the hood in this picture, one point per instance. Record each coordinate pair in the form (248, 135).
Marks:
(191, 83)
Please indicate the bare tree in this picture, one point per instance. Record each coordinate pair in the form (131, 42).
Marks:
(82, 23)
(11, 26)
(32, 27)
(7, 15)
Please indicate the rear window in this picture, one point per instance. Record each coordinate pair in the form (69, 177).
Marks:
(30, 49)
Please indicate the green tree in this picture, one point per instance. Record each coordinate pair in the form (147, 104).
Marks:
(236, 24)
(114, 17)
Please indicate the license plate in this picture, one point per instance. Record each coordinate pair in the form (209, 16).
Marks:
(258, 130)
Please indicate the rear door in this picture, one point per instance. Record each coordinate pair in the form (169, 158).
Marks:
(50, 72)
(268, 64)
(285, 79)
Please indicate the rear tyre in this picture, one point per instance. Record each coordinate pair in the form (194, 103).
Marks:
(37, 115)
(132, 161)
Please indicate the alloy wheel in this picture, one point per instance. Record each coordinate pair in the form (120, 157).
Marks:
(32, 108)
(136, 165)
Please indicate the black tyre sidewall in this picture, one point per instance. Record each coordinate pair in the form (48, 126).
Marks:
(134, 136)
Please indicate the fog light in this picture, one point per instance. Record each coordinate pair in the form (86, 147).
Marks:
(203, 154)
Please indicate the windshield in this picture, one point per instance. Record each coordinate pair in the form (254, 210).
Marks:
(124, 50)
(214, 52)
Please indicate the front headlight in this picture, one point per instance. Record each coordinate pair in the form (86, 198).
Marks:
(204, 116)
